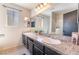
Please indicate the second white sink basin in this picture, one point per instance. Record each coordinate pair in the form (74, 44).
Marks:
(40, 39)
(48, 40)
(52, 41)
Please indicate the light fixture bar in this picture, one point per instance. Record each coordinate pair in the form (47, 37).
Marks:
(40, 6)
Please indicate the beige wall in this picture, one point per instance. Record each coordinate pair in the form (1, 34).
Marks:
(12, 34)
(59, 23)
(56, 23)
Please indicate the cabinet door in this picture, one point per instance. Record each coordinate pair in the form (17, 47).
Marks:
(39, 45)
(37, 51)
(48, 51)
(30, 46)
(24, 38)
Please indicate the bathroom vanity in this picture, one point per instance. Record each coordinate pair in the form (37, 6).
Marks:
(43, 45)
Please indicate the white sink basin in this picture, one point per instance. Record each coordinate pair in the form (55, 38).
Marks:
(52, 41)
(40, 39)
(48, 40)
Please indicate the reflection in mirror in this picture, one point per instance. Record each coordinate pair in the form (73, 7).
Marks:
(51, 21)
(42, 23)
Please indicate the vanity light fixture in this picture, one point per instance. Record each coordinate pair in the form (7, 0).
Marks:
(40, 6)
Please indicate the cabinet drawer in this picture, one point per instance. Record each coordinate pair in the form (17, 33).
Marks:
(37, 51)
(48, 51)
(30, 39)
(38, 45)
(24, 38)
(30, 46)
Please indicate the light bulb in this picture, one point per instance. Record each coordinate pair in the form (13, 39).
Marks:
(41, 5)
(25, 18)
(44, 4)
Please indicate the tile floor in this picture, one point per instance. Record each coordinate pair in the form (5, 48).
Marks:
(21, 50)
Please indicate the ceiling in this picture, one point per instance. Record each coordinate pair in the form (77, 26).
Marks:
(61, 7)
(27, 5)
(55, 7)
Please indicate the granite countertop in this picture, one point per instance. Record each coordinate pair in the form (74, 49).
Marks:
(65, 47)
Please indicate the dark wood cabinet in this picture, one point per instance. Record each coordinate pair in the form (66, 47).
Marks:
(48, 51)
(30, 45)
(25, 42)
(39, 45)
(36, 47)
(37, 51)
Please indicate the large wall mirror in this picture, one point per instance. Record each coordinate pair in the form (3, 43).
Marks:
(54, 19)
